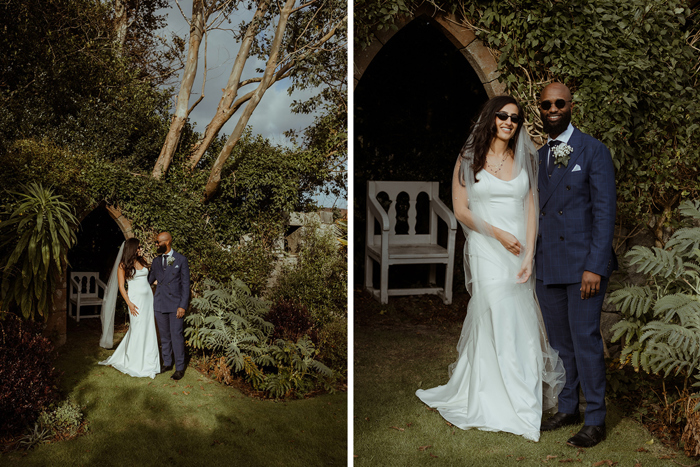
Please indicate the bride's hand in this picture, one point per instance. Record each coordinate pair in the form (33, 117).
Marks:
(133, 309)
(509, 242)
(524, 273)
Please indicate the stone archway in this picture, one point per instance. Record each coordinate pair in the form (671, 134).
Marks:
(470, 47)
(56, 325)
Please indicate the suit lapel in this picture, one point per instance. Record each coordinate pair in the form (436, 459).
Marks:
(542, 173)
(559, 173)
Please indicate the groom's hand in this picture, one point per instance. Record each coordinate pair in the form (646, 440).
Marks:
(590, 285)
(180, 313)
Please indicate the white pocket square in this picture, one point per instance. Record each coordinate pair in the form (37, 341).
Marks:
(179, 265)
(577, 168)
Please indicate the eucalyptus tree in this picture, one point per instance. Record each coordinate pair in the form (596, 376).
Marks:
(292, 40)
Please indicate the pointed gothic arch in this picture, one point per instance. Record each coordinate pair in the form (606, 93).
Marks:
(476, 53)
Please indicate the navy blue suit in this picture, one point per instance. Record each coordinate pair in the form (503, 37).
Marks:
(172, 292)
(576, 226)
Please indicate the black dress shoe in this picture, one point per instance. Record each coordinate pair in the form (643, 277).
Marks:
(559, 420)
(165, 369)
(588, 436)
(177, 375)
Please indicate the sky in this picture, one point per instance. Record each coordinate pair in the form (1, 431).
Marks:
(271, 118)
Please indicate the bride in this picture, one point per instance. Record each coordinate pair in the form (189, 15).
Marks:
(506, 373)
(137, 353)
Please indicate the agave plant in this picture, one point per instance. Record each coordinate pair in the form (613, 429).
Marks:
(661, 319)
(37, 236)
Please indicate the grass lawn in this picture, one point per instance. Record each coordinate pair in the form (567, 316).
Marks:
(407, 345)
(195, 421)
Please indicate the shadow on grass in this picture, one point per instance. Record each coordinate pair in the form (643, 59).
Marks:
(408, 345)
(194, 421)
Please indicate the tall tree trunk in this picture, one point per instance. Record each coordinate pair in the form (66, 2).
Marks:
(215, 175)
(226, 107)
(198, 23)
(121, 23)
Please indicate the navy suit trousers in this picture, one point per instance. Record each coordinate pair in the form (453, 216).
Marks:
(172, 339)
(573, 327)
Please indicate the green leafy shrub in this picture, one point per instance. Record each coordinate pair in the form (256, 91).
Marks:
(333, 345)
(661, 319)
(318, 280)
(228, 319)
(63, 420)
(27, 376)
(40, 232)
(295, 368)
(228, 322)
(292, 321)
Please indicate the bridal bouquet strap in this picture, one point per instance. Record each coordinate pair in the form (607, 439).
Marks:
(561, 154)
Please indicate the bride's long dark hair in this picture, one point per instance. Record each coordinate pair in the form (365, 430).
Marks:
(484, 130)
(130, 256)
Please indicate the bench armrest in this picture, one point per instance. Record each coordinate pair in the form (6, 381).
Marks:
(444, 213)
(378, 212)
(101, 284)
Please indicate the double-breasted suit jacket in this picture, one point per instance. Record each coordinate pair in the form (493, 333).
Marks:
(577, 214)
(173, 289)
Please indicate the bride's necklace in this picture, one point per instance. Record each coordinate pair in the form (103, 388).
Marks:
(495, 169)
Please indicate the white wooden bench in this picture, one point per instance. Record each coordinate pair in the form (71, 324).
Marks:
(391, 247)
(84, 291)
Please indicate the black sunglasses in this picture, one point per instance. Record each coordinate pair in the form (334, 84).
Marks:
(504, 116)
(560, 103)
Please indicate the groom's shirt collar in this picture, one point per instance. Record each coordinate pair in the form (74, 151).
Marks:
(564, 137)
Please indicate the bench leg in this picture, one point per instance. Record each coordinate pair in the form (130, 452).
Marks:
(369, 272)
(449, 277)
(432, 276)
(384, 284)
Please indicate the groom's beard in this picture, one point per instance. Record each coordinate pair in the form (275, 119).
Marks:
(161, 249)
(557, 127)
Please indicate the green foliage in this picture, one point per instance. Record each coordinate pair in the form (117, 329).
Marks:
(333, 345)
(318, 279)
(40, 233)
(295, 366)
(661, 319)
(63, 419)
(228, 321)
(62, 78)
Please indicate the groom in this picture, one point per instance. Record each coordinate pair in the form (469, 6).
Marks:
(171, 271)
(574, 259)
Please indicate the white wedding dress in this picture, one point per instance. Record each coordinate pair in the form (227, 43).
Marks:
(138, 354)
(497, 382)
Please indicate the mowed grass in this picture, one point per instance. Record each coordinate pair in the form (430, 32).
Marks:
(392, 427)
(195, 421)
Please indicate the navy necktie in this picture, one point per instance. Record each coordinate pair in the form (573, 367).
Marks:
(550, 166)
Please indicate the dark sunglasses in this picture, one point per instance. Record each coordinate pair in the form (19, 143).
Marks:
(504, 116)
(560, 103)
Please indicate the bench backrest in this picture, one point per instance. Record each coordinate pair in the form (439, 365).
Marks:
(87, 282)
(407, 204)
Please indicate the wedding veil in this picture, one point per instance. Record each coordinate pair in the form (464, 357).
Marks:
(475, 213)
(109, 303)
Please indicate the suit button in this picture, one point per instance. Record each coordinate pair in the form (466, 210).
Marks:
(561, 212)
(542, 212)
(568, 187)
(538, 189)
(539, 235)
(561, 238)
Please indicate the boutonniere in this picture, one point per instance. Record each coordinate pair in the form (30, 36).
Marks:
(561, 154)
(171, 260)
